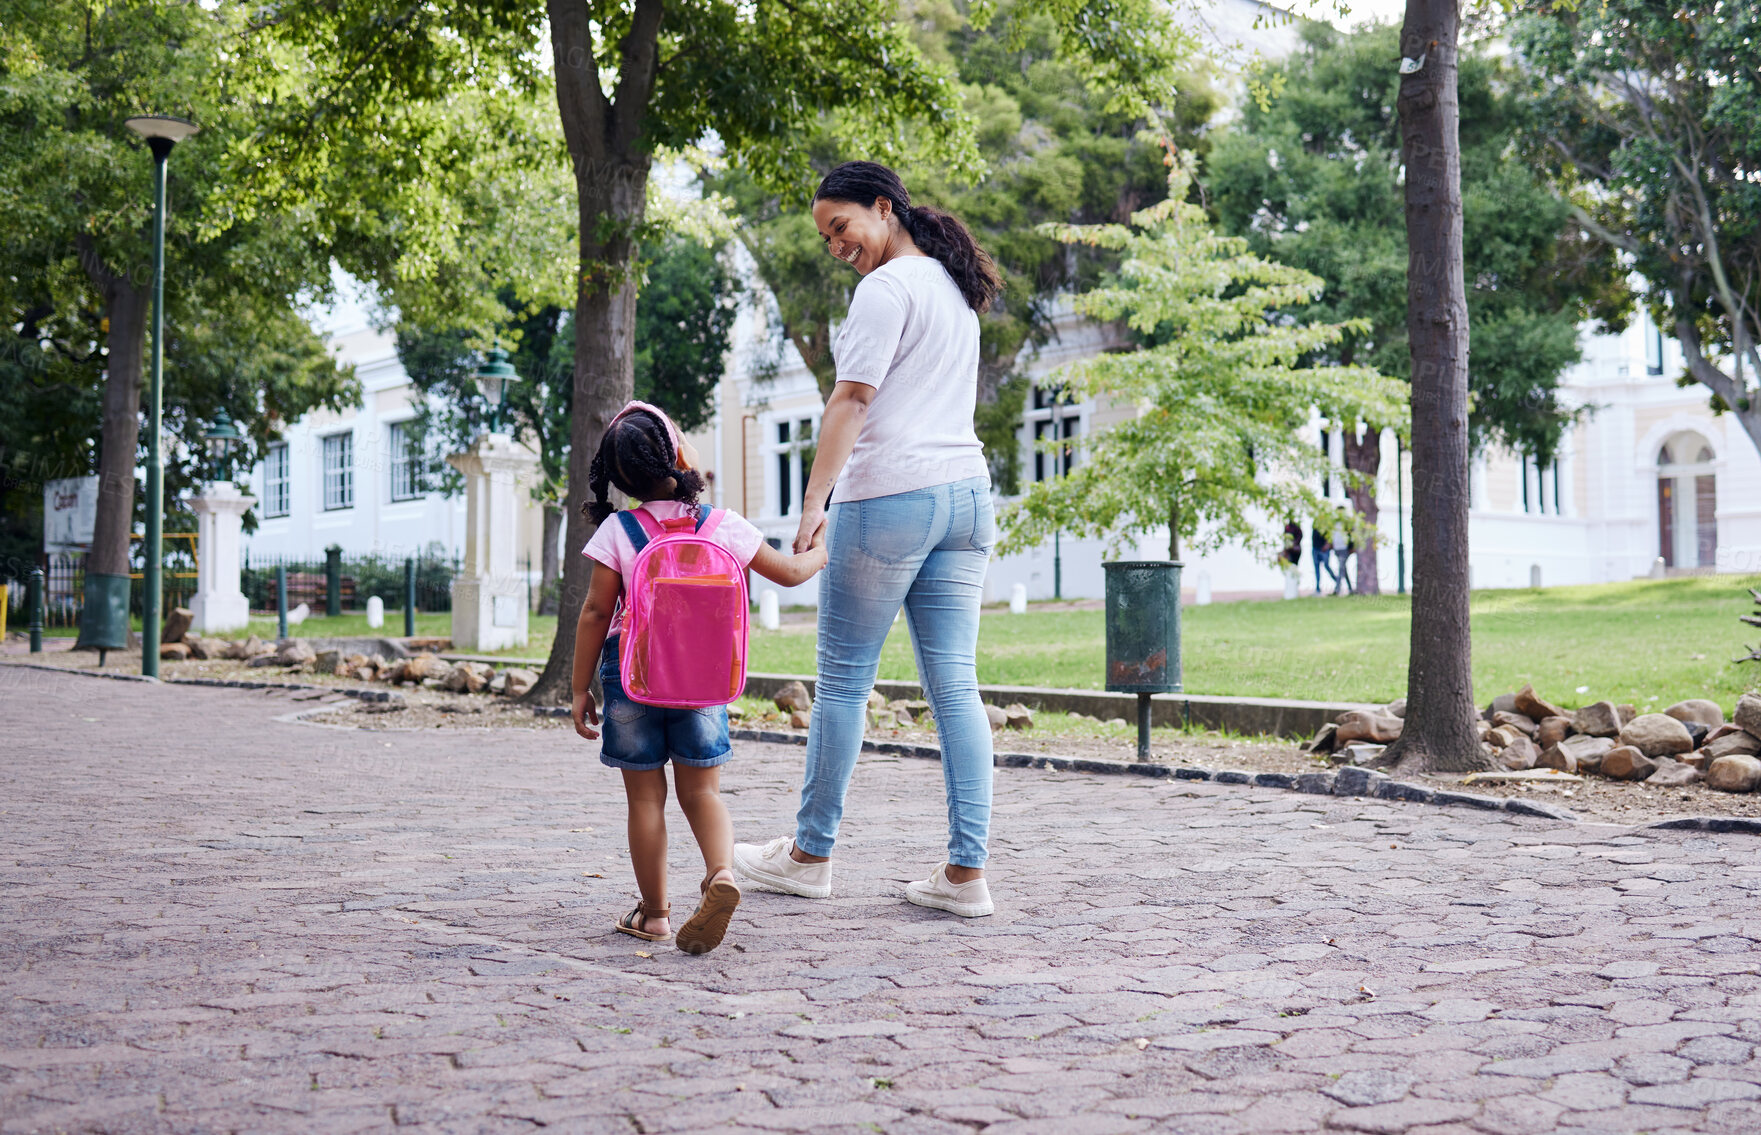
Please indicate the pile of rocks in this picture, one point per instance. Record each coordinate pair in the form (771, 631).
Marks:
(1688, 742)
(899, 713)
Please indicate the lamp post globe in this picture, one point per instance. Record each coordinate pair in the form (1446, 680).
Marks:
(222, 440)
(493, 378)
(162, 132)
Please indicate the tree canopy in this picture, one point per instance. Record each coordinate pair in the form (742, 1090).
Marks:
(1647, 113)
(1216, 399)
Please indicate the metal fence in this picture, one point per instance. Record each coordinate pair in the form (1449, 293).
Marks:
(362, 578)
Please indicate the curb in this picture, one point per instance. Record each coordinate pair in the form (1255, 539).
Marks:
(1349, 781)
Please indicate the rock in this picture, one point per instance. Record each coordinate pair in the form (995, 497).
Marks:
(421, 667)
(1734, 774)
(1627, 711)
(263, 660)
(1708, 713)
(1503, 703)
(1697, 759)
(1521, 721)
(517, 680)
(794, 696)
(1530, 704)
(1118, 722)
(919, 710)
(394, 673)
(1599, 720)
(799, 719)
(1322, 742)
(327, 661)
(1697, 731)
(1552, 731)
(1575, 753)
(1362, 753)
(998, 718)
(876, 700)
(1724, 730)
(173, 651)
(177, 624)
(1482, 727)
(1018, 716)
(1736, 744)
(1674, 774)
(1521, 753)
(1627, 763)
(887, 719)
(499, 683)
(201, 649)
(1367, 725)
(467, 677)
(1502, 736)
(1657, 735)
(294, 652)
(254, 647)
(1396, 708)
(1748, 714)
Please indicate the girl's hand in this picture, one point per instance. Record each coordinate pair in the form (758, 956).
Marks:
(812, 530)
(583, 712)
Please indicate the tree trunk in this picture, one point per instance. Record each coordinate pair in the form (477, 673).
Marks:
(1364, 456)
(1439, 734)
(547, 559)
(611, 183)
(126, 309)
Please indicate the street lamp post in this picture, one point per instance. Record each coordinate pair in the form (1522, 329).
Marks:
(162, 132)
(223, 440)
(493, 379)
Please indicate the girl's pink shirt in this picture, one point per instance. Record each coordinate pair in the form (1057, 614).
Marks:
(612, 546)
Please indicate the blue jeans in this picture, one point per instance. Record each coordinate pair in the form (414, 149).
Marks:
(640, 737)
(927, 549)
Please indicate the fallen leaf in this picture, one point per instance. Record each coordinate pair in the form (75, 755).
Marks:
(643, 954)
(1142, 1043)
(592, 875)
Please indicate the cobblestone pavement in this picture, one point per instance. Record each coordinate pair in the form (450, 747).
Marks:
(214, 920)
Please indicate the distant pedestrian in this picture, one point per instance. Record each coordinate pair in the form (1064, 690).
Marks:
(643, 455)
(1321, 551)
(1343, 548)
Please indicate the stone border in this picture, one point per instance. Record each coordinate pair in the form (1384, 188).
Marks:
(1348, 781)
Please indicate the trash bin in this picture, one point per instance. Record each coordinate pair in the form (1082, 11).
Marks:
(103, 621)
(1143, 634)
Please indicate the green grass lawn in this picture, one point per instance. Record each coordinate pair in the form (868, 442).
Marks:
(1664, 640)
(1641, 641)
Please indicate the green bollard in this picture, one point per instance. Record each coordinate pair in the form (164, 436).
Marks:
(33, 598)
(280, 601)
(410, 598)
(1143, 634)
(333, 581)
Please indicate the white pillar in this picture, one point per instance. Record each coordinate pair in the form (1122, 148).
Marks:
(489, 595)
(219, 605)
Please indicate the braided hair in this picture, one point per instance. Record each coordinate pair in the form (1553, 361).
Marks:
(938, 234)
(636, 454)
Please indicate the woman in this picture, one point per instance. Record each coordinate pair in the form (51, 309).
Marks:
(910, 522)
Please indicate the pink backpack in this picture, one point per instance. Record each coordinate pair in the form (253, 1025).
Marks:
(684, 638)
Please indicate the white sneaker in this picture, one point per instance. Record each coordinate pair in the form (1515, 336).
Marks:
(772, 866)
(971, 899)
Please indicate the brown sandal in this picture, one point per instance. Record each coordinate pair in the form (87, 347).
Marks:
(709, 922)
(631, 923)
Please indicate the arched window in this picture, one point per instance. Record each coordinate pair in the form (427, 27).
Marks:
(1687, 503)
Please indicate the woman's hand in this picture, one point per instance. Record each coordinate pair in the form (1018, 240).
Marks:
(584, 711)
(812, 530)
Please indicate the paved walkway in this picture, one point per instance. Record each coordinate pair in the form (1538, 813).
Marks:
(212, 920)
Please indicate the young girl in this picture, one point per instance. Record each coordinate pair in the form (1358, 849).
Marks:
(644, 456)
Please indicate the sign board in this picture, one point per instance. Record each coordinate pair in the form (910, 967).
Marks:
(507, 611)
(70, 511)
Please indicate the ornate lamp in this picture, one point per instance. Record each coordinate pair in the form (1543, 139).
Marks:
(223, 441)
(493, 379)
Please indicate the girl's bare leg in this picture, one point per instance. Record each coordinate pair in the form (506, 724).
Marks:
(645, 791)
(700, 797)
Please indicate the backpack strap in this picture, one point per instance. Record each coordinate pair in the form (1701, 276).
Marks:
(707, 523)
(634, 528)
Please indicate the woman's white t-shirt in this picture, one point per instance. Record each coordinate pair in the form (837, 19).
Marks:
(911, 336)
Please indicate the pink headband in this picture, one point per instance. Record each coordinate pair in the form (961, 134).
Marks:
(632, 406)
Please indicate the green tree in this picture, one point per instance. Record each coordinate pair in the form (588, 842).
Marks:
(1219, 393)
(1054, 150)
(77, 261)
(1312, 176)
(1647, 114)
(684, 317)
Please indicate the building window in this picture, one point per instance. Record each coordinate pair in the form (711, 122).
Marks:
(275, 481)
(339, 471)
(409, 464)
(793, 453)
(1653, 348)
(1050, 419)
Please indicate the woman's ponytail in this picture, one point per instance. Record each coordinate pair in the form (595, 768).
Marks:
(942, 236)
(937, 234)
